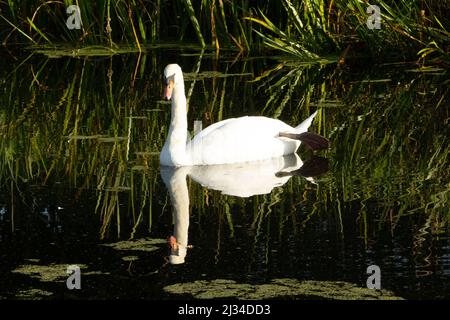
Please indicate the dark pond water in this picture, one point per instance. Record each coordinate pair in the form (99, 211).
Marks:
(81, 183)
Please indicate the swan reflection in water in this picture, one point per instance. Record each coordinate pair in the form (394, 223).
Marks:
(240, 180)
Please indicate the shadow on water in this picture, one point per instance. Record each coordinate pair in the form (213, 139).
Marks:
(81, 183)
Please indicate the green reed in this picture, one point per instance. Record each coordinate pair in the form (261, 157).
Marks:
(410, 29)
(214, 22)
(387, 130)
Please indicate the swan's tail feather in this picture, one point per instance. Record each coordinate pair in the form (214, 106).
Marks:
(312, 140)
(303, 127)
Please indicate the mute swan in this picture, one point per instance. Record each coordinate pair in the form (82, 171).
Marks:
(233, 140)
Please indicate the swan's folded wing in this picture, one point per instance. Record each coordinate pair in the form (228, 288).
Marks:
(211, 128)
(241, 140)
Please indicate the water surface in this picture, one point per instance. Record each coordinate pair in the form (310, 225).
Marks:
(81, 183)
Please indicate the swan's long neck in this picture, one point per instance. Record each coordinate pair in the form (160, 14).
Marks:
(177, 136)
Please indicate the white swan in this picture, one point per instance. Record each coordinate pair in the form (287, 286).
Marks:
(233, 140)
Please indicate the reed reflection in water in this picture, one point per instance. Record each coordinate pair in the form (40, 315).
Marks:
(79, 167)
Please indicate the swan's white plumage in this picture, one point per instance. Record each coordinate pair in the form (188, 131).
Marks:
(234, 140)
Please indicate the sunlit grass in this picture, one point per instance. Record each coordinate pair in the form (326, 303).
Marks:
(409, 30)
(388, 138)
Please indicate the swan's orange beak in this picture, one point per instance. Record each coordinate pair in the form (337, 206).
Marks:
(168, 90)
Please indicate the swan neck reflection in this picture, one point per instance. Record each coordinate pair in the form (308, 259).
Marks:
(175, 181)
(241, 180)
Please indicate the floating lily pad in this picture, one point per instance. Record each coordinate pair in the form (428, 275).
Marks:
(143, 153)
(33, 294)
(117, 189)
(139, 168)
(278, 288)
(162, 102)
(211, 74)
(291, 62)
(197, 54)
(51, 272)
(130, 258)
(82, 137)
(57, 51)
(146, 245)
(372, 81)
(426, 69)
(45, 273)
(112, 139)
(137, 117)
(89, 51)
(327, 104)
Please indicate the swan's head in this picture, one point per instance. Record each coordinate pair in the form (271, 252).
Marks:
(172, 76)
